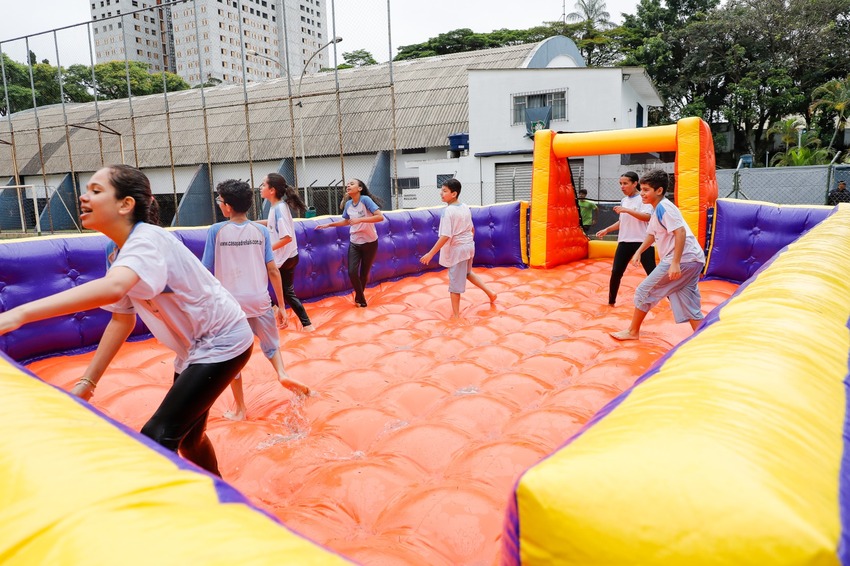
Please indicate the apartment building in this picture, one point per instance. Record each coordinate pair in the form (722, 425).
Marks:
(213, 40)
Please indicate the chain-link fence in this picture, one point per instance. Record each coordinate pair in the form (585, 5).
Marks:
(198, 91)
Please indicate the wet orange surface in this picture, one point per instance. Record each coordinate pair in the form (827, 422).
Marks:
(419, 426)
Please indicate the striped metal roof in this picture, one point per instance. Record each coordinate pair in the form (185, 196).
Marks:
(430, 103)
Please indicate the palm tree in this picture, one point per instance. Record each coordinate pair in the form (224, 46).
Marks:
(592, 13)
(833, 98)
(788, 130)
(809, 153)
(593, 19)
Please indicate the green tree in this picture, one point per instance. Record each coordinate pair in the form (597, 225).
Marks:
(833, 100)
(357, 58)
(788, 130)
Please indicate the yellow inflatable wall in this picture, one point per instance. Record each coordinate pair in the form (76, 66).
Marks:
(556, 235)
(82, 491)
(730, 450)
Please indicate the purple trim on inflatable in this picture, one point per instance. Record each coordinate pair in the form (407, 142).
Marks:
(775, 234)
(63, 263)
(510, 534)
(844, 476)
(747, 234)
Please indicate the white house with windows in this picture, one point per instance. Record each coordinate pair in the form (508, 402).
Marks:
(496, 164)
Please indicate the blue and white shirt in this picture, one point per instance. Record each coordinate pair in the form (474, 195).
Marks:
(363, 232)
(180, 301)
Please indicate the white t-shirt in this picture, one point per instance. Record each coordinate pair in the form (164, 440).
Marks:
(281, 225)
(456, 223)
(363, 232)
(665, 219)
(237, 255)
(632, 229)
(179, 300)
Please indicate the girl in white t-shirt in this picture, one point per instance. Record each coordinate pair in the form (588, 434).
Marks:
(634, 216)
(152, 274)
(284, 244)
(361, 213)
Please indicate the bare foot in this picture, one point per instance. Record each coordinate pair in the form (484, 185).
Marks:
(624, 335)
(492, 296)
(309, 328)
(235, 415)
(295, 386)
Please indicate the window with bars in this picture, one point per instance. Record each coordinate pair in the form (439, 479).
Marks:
(556, 100)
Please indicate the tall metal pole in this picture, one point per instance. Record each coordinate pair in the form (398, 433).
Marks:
(301, 114)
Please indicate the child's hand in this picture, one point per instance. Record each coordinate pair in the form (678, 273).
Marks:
(83, 390)
(282, 318)
(426, 259)
(320, 226)
(636, 260)
(619, 209)
(601, 233)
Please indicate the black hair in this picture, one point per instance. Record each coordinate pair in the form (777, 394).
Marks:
(286, 193)
(453, 185)
(656, 179)
(364, 191)
(130, 182)
(237, 194)
(582, 191)
(632, 176)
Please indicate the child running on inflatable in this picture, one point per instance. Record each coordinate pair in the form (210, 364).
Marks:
(152, 274)
(682, 260)
(456, 246)
(239, 253)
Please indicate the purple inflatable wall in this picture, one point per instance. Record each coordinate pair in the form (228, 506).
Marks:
(747, 234)
(35, 268)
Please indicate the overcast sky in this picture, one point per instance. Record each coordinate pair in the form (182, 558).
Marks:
(361, 23)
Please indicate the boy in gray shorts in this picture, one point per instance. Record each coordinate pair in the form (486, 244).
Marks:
(682, 260)
(456, 246)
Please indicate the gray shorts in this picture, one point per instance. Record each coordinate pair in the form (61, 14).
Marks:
(265, 328)
(457, 276)
(683, 292)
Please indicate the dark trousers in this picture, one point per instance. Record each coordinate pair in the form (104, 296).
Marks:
(360, 260)
(287, 277)
(180, 422)
(625, 252)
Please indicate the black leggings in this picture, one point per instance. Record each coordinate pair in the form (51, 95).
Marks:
(360, 260)
(180, 422)
(625, 252)
(287, 277)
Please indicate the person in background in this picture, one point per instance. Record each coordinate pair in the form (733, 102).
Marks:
(631, 231)
(361, 213)
(152, 274)
(283, 198)
(838, 194)
(456, 246)
(587, 210)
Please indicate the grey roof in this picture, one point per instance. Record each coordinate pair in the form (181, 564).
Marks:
(430, 103)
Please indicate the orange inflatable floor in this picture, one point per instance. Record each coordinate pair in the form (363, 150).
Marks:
(407, 452)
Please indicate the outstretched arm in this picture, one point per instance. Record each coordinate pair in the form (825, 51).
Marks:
(104, 291)
(116, 333)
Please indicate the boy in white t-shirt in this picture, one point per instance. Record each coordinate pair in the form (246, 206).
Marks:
(682, 261)
(239, 254)
(456, 246)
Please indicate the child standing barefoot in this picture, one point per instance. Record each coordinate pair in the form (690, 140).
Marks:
(239, 253)
(682, 260)
(456, 246)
